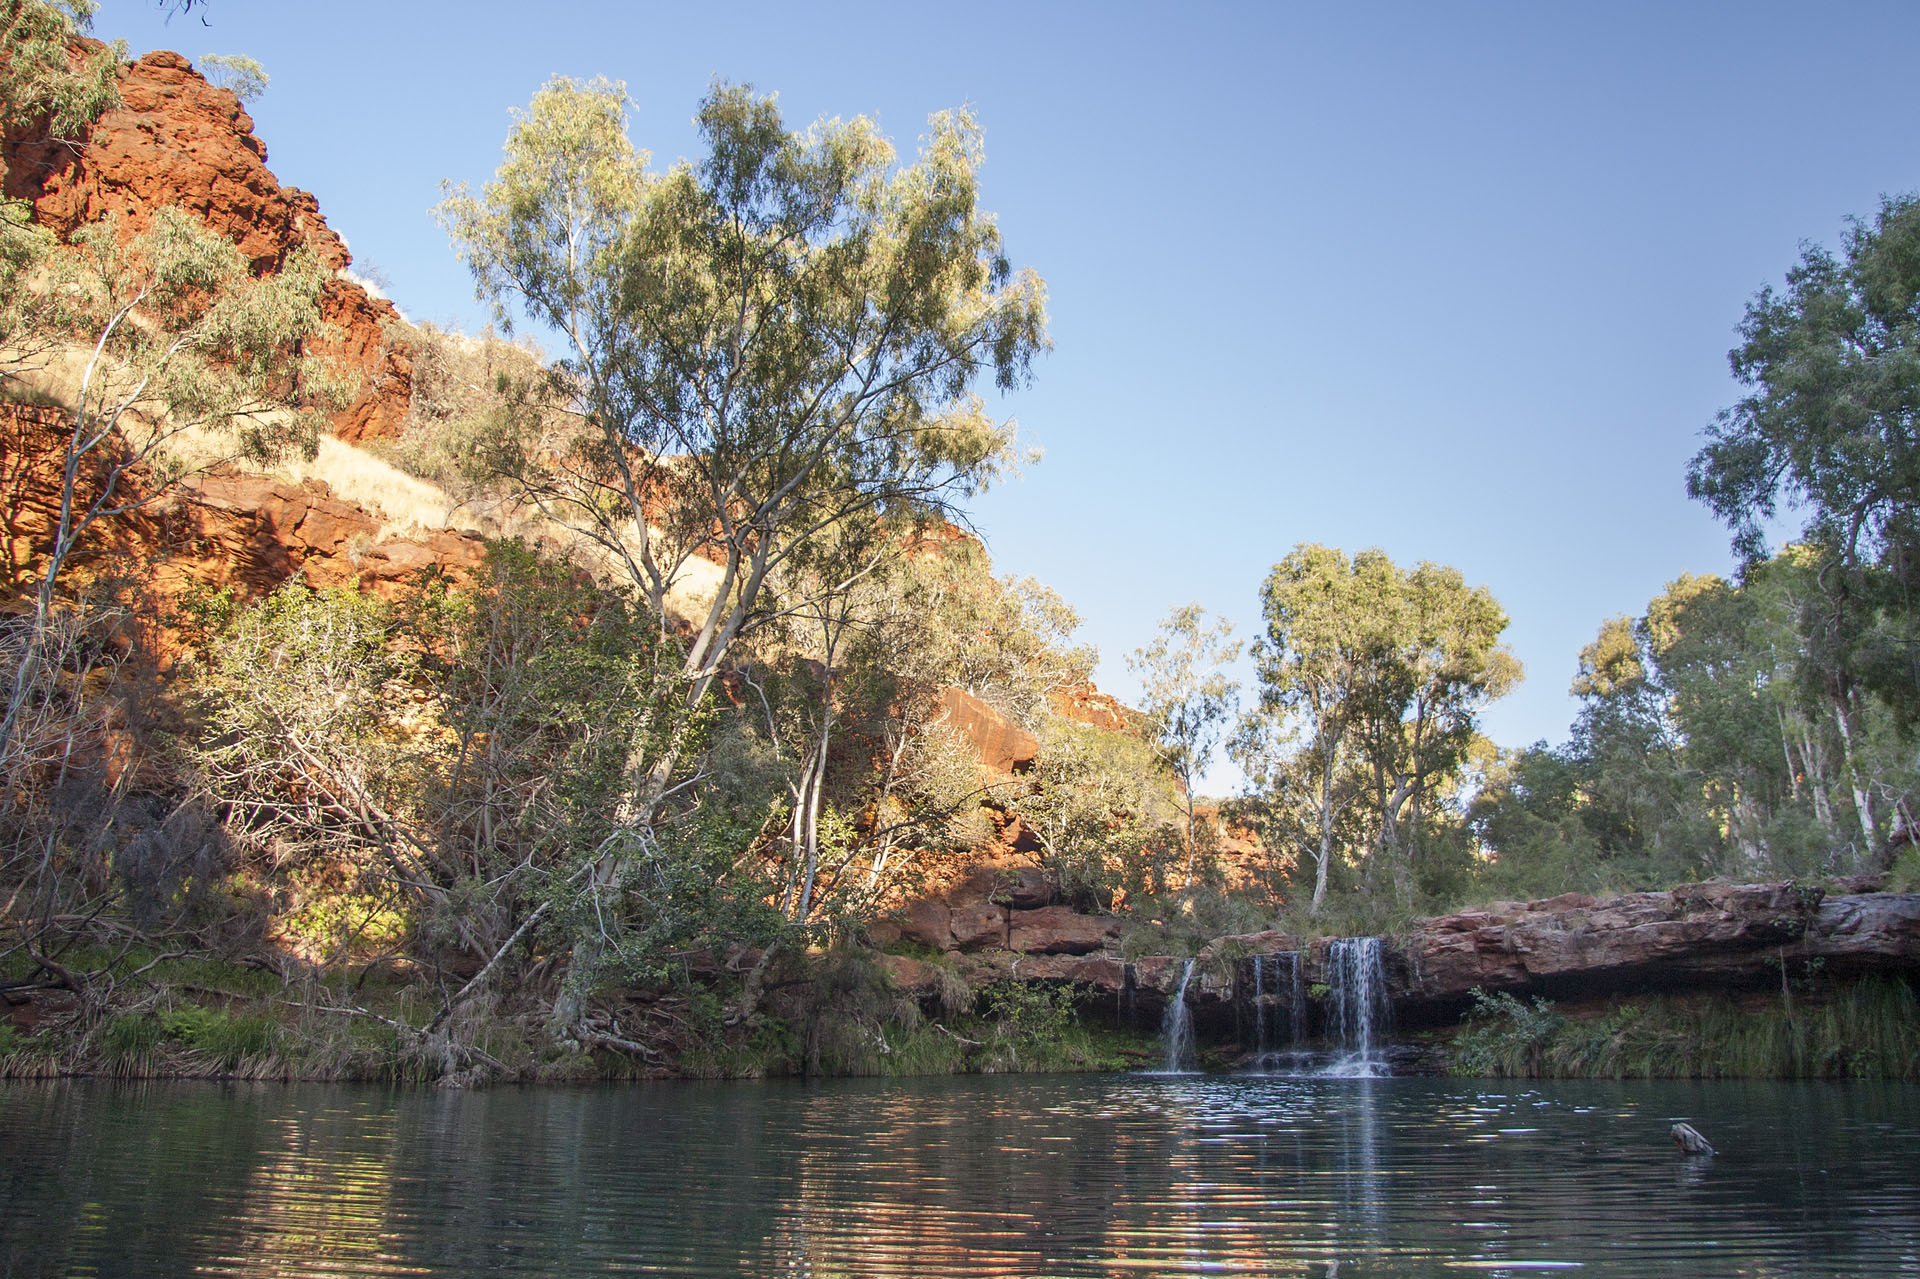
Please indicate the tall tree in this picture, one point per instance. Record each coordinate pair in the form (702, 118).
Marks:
(1832, 371)
(758, 347)
(1379, 670)
(1314, 661)
(166, 356)
(1188, 698)
(1438, 662)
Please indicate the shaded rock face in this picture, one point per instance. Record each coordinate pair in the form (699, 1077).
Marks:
(1708, 936)
(1712, 935)
(177, 141)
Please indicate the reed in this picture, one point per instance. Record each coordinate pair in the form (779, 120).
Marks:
(1867, 1029)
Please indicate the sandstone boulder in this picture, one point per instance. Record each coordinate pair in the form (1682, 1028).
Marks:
(1001, 746)
(1059, 930)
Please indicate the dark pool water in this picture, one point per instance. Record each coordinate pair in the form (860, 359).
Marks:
(1069, 1175)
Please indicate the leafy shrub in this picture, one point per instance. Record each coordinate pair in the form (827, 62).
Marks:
(1028, 1015)
(1507, 1037)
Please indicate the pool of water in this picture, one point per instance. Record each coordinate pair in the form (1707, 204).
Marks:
(1009, 1176)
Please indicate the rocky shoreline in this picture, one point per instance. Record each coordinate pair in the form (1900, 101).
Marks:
(1708, 937)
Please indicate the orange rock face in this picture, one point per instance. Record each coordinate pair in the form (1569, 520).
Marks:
(1086, 704)
(1001, 745)
(176, 141)
(226, 529)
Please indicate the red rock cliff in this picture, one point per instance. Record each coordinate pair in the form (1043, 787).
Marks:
(175, 140)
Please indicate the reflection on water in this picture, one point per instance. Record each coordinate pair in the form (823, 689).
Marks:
(1067, 1176)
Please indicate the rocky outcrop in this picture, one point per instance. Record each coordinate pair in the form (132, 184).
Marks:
(1573, 947)
(1086, 704)
(254, 533)
(177, 141)
(1001, 745)
(224, 529)
(1701, 935)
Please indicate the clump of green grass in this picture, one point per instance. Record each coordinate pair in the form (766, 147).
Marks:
(224, 1039)
(128, 1042)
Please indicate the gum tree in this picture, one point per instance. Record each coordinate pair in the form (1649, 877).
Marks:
(757, 347)
(1188, 697)
(164, 356)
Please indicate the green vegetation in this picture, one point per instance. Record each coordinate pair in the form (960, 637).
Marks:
(632, 793)
(1869, 1029)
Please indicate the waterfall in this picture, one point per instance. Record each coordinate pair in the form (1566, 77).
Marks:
(1296, 1001)
(1358, 1003)
(1177, 1026)
(1277, 982)
(1260, 1045)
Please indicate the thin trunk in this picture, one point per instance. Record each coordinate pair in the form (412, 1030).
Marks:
(1816, 761)
(1862, 802)
(1786, 749)
(815, 786)
(1327, 760)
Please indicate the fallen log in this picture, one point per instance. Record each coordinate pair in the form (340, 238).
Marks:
(1688, 1138)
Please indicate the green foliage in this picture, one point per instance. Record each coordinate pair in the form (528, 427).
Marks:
(471, 397)
(302, 701)
(1506, 1037)
(1867, 1029)
(1832, 367)
(1905, 876)
(11, 1040)
(1188, 698)
(39, 82)
(238, 74)
(129, 1039)
(222, 1037)
(1709, 743)
(1099, 804)
(1372, 680)
(776, 342)
(1027, 1014)
(792, 314)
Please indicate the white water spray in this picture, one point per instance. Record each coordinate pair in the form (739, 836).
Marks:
(1176, 1027)
(1357, 1012)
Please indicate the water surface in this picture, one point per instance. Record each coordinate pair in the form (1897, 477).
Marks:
(1010, 1176)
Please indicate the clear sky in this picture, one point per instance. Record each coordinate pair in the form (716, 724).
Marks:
(1454, 280)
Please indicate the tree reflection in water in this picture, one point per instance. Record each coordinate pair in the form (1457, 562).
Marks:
(1112, 1175)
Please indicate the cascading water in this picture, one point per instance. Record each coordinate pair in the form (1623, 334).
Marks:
(1177, 1026)
(1277, 983)
(1296, 999)
(1357, 1004)
(1260, 1045)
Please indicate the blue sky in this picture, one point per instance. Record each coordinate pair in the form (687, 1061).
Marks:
(1455, 280)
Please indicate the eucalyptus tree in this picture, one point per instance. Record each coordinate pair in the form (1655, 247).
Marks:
(1188, 697)
(1372, 679)
(1831, 366)
(758, 346)
(1313, 661)
(1438, 663)
(43, 85)
(166, 356)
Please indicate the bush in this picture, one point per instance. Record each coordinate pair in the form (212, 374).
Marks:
(1507, 1037)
